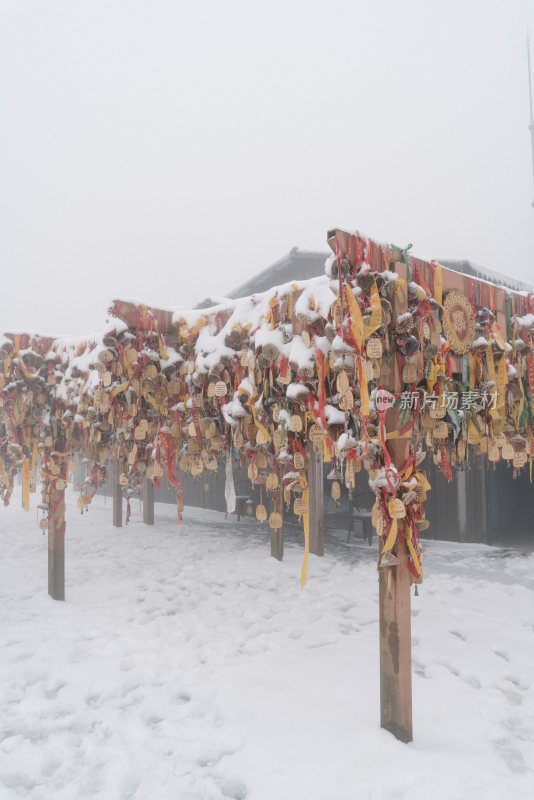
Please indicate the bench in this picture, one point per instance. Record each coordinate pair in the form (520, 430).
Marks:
(241, 502)
(350, 517)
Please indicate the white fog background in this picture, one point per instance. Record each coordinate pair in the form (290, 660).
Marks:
(167, 150)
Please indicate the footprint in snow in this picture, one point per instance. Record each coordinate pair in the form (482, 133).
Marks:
(153, 721)
(129, 688)
(472, 680)
(511, 690)
(213, 758)
(512, 757)
(24, 656)
(93, 699)
(51, 692)
(130, 700)
(458, 635)
(453, 670)
(420, 669)
(346, 629)
(234, 788)
(516, 682)
(50, 766)
(502, 654)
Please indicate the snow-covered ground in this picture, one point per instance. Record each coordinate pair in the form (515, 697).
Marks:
(186, 664)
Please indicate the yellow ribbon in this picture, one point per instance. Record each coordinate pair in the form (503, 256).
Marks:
(472, 368)
(502, 380)
(411, 548)
(490, 363)
(376, 313)
(118, 389)
(364, 389)
(273, 302)
(184, 331)
(396, 435)
(497, 336)
(356, 321)
(423, 481)
(153, 402)
(3, 475)
(432, 378)
(392, 535)
(35, 456)
(258, 424)
(163, 353)
(521, 405)
(306, 521)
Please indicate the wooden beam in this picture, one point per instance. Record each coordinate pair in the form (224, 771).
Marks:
(130, 313)
(148, 502)
(117, 495)
(394, 593)
(316, 488)
(56, 543)
(277, 536)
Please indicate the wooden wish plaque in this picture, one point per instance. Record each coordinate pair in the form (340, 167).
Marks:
(458, 322)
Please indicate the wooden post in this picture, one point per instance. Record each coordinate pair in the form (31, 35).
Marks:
(277, 536)
(148, 502)
(394, 603)
(117, 496)
(56, 543)
(316, 488)
(487, 536)
(396, 643)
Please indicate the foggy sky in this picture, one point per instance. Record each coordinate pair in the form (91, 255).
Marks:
(168, 150)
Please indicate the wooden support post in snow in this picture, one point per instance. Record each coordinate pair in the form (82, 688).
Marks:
(56, 543)
(395, 599)
(277, 536)
(148, 502)
(316, 488)
(396, 639)
(117, 495)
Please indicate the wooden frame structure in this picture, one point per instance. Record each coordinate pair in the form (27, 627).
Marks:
(283, 381)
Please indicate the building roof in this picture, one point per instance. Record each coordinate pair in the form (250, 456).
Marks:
(484, 274)
(301, 264)
(297, 265)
